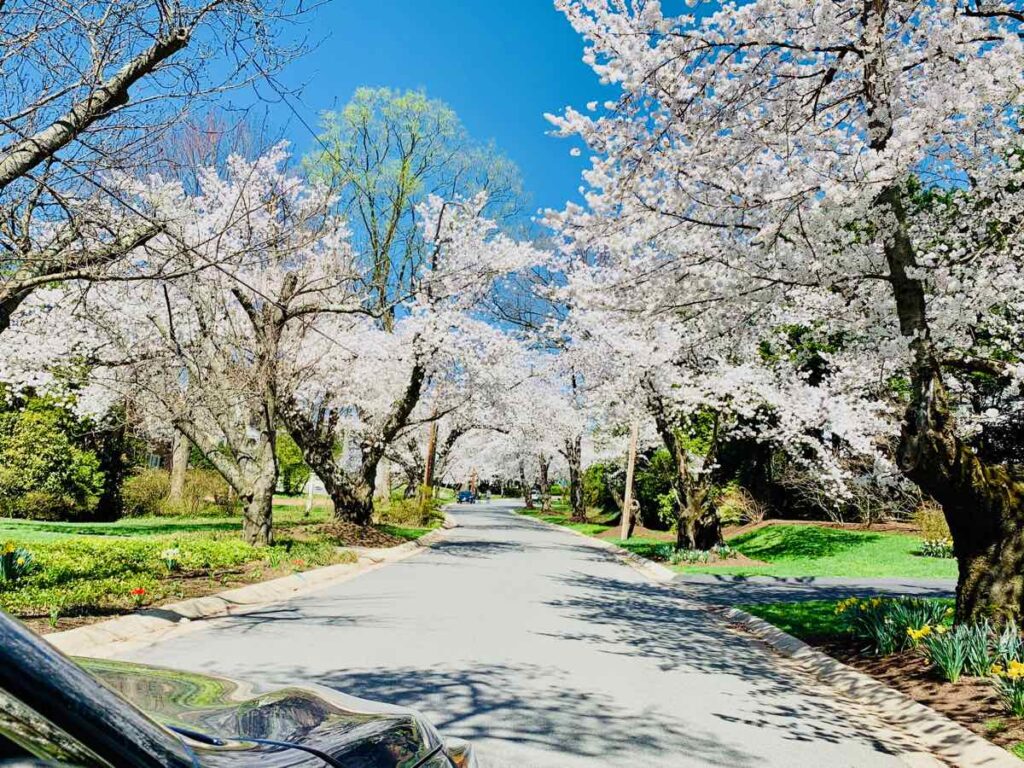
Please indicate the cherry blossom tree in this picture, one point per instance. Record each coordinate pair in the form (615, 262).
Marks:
(362, 393)
(258, 260)
(860, 160)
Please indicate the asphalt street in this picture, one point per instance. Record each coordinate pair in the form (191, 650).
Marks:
(546, 651)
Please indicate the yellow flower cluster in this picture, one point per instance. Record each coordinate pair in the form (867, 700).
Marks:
(916, 635)
(1012, 671)
(9, 547)
(852, 602)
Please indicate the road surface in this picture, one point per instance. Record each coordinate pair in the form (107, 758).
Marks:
(545, 651)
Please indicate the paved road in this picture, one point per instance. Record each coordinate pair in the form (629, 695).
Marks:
(545, 651)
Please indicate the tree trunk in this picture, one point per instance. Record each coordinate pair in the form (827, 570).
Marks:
(179, 465)
(258, 512)
(353, 500)
(574, 458)
(983, 503)
(527, 490)
(697, 523)
(257, 519)
(545, 486)
(627, 503)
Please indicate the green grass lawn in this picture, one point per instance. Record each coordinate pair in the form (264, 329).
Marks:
(652, 549)
(811, 619)
(807, 620)
(99, 568)
(807, 550)
(560, 516)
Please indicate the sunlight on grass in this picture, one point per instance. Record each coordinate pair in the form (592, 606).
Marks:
(810, 619)
(807, 550)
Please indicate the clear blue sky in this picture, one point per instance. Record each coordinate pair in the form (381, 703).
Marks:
(501, 64)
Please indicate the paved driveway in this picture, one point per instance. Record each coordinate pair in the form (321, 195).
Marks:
(545, 651)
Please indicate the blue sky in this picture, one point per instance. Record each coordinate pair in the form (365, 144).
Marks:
(501, 64)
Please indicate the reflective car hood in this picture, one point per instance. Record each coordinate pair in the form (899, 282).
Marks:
(359, 732)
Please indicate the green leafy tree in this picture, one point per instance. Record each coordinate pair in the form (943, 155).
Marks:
(294, 471)
(385, 152)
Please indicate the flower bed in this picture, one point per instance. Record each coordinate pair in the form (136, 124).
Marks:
(973, 673)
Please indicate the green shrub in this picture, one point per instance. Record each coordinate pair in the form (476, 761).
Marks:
(44, 475)
(946, 650)
(207, 486)
(654, 473)
(409, 512)
(932, 522)
(294, 470)
(736, 506)
(145, 492)
(601, 483)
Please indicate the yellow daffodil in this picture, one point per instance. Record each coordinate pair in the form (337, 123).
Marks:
(8, 547)
(997, 670)
(941, 629)
(844, 605)
(1014, 670)
(917, 634)
(21, 561)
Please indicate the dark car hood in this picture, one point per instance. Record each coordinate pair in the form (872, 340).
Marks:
(358, 732)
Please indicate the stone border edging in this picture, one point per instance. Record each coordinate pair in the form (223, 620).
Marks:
(947, 739)
(105, 639)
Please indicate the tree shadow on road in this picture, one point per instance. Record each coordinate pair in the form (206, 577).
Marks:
(654, 623)
(537, 706)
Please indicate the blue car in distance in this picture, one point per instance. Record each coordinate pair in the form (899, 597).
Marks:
(467, 497)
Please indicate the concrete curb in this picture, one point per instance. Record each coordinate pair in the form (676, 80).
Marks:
(106, 639)
(652, 570)
(945, 738)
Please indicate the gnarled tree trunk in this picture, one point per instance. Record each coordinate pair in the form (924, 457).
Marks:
(545, 484)
(574, 457)
(351, 492)
(527, 490)
(983, 503)
(697, 523)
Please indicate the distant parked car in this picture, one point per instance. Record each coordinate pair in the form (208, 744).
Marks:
(55, 712)
(467, 497)
(535, 496)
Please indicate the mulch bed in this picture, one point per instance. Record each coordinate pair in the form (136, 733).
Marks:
(738, 560)
(182, 586)
(971, 702)
(351, 535)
